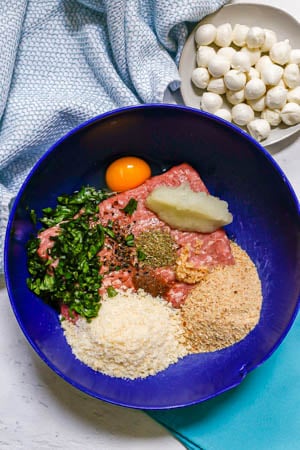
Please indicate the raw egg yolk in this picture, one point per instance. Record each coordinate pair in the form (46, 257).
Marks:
(127, 173)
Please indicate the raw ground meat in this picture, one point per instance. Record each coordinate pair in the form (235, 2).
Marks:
(215, 248)
(201, 250)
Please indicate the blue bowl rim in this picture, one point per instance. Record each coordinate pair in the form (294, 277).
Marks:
(86, 123)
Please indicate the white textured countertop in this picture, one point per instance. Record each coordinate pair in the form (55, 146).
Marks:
(38, 410)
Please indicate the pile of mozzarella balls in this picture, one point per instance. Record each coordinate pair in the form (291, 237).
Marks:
(257, 76)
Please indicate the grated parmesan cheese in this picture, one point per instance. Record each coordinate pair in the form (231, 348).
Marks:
(134, 335)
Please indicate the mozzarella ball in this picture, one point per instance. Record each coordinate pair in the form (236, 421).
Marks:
(293, 95)
(295, 56)
(239, 34)
(234, 80)
(252, 73)
(280, 52)
(226, 52)
(258, 104)
(241, 61)
(276, 97)
(218, 66)
(235, 97)
(200, 77)
(271, 116)
(254, 89)
(291, 75)
(224, 35)
(224, 114)
(262, 62)
(255, 37)
(242, 114)
(270, 40)
(204, 55)
(290, 113)
(282, 83)
(211, 102)
(253, 53)
(205, 34)
(216, 85)
(259, 129)
(271, 74)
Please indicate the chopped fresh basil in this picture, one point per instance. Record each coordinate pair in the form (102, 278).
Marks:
(33, 216)
(109, 232)
(69, 205)
(71, 273)
(130, 207)
(141, 256)
(111, 292)
(129, 240)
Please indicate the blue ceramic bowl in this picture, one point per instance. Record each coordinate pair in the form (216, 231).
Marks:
(233, 166)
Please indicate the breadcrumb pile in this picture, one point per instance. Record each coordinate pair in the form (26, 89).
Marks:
(225, 306)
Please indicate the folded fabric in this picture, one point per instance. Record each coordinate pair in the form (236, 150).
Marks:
(262, 413)
(65, 61)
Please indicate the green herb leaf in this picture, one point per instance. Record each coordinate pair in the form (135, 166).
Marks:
(85, 201)
(129, 240)
(33, 216)
(130, 207)
(111, 292)
(140, 255)
(109, 232)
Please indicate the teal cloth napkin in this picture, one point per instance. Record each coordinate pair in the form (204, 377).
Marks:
(262, 413)
(65, 61)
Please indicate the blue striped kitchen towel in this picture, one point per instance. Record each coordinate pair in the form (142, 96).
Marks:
(65, 61)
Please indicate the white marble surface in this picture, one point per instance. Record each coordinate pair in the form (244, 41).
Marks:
(38, 410)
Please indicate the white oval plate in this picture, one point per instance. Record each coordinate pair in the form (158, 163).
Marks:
(285, 26)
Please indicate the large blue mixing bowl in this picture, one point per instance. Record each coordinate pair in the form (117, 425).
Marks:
(234, 167)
